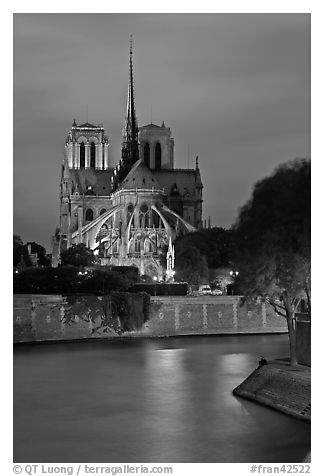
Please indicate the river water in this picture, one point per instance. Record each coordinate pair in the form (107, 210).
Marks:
(159, 400)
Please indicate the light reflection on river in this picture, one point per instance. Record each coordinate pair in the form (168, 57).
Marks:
(162, 400)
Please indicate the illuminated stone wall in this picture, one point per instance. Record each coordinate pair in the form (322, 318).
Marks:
(211, 315)
(44, 317)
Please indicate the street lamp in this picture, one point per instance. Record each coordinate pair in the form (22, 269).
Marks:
(82, 273)
(234, 275)
(154, 279)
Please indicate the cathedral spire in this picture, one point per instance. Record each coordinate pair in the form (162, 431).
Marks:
(130, 139)
(130, 153)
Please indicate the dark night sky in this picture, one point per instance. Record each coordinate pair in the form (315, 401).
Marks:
(234, 88)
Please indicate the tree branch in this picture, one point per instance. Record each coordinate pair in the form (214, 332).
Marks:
(275, 306)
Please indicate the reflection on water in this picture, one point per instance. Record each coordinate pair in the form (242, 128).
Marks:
(162, 400)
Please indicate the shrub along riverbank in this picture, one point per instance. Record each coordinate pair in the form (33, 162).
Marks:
(74, 279)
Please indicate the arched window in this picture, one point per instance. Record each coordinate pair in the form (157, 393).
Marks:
(82, 155)
(102, 211)
(137, 245)
(147, 154)
(144, 216)
(130, 210)
(93, 155)
(158, 156)
(155, 219)
(89, 214)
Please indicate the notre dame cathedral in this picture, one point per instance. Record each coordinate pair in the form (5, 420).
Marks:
(128, 213)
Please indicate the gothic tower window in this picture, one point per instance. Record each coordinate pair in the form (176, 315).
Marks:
(93, 155)
(89, 214)
(158, 156)
(144, 216)
(147, 154)
(82, 155)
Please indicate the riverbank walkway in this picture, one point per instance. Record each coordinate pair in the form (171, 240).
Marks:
(280, 386)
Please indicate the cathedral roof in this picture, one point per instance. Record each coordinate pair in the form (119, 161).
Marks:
(87, 124)
(152, 126)
(185, 179)
(98, 180)
(140, 176)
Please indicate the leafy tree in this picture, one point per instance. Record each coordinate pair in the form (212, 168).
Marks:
(191, 266)
(220, 278)
(18, 249)
(71, 279)
(43, 260)
(272, 236)
(196, 252)
(214, 244)
(17, 241)
(78, 255)
(102, 281)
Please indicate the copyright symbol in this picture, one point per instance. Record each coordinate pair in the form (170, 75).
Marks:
(17, 469)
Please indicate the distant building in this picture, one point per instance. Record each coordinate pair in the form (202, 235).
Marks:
(127, 213)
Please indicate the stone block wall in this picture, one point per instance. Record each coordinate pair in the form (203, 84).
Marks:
(45, 317)
(175, 315)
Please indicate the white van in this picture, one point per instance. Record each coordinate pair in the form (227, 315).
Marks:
(204, 289)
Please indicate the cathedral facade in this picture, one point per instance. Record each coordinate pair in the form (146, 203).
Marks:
(129, 213)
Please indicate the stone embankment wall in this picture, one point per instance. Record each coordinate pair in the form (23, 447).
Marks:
(279, 386)
(54, 317)
(211, 315)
